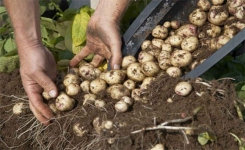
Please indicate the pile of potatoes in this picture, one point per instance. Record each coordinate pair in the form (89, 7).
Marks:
(173, 49)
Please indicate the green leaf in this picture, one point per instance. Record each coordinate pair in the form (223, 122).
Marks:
(11, 53)
(42, 9)
(243, 88)
(61, 27)
(8, 64)
(48, 23)
(44, 32)
(241, 94)
(66, 54)
(2, 9)
(79, 27)
(63, 63)
(61, 45)
(203, 138)
(9, 45)
(68, 39)
(2, 51)
(68, 14)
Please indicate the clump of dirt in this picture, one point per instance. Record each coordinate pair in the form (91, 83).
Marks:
(209, 108)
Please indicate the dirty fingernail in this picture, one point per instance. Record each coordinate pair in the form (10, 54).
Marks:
(116, 66)
(52, 93)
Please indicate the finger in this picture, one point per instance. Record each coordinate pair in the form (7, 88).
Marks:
(80, 56)
(47, 84)
(39, 117)
(97, 60)
(116, 59)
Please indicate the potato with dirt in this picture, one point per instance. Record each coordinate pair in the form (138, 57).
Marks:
(127, 60)
(160, 32)
(198, 17)
(117, 91)
(64, 103)
(205, 5)
(150, 68)
(98, 86)
(88, 72)
(181, 58)
(190, 43)
(135, 73)
(187, 30)
(115, 76)
(144, 56)
(218, 15)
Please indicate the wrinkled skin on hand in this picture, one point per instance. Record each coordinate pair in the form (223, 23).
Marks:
(103, 39)
(38, 71)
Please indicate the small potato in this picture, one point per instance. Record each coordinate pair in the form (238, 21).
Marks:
(64, 103)
(174, 72)
(145, 45)
(183, 88)
(73, 89)
(150, 68)
(181, 58)
(167, 24)
(204, 5)
(114, 77)
(89, 99)
(127, 60)
(46, 95)
(222, 40)
(85, 86)
(97, 86)
(146, 82)
(145, 56)
(87, 72)
(134, 72)
(160, 32)
(163, 55)
(127, 100)
(121, 106)
(154, 52)
(157, 42)
(53, 108)
(99, 103)
(198, 17)
(217, 2)
(71, 78)
(117, 91)
(175, 40)
(218, 15)
(190, 43)
(79, 129)
(130, 84)
(167, 47)
(165, 63)
(175, 24)
(108, 124)
(21, 108)
(136, 94)
(187, 30)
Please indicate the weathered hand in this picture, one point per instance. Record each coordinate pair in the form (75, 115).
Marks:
(103, 39)
(38, 71)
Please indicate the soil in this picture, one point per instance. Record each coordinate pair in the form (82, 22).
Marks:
(215, 114)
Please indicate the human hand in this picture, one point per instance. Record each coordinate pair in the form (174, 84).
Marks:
(38, 71)
(103, 39)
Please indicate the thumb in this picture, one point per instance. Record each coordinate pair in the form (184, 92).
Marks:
(47, 84)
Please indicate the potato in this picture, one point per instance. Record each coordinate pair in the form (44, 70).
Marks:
(164, 63)
(87, 71)
(121, 106)
(157, 42)
(154, 51)
(46, 95)
(205, 5)
(97, 86)
(64, 103)
(158, 147)
(136, 94)
(128, 100)
(99, 103)
(218, 15)
(175, 40)
(150, 68)
(221, 41)
(217, 2)
(85, 86)
(198, 17)
(71, 78)
(164, 55)
(145, 45)
(89, 99)
(53, 108)
(174, 72)
(114, 77)
(130, 84)
(127, 60)
(167, 24)
(183, 88)
(146, 82)
(117, 91)
(181, 58)
(79, 129)
(187, 30)
(73, 89)
(160, 32)
(175, 24)
(21, 108)
(134, 72)
(209, 30)
(167, 47)
(190, 43)
(145, 56)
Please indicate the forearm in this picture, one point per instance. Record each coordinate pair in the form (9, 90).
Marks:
(25, 19)
(112, 9)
